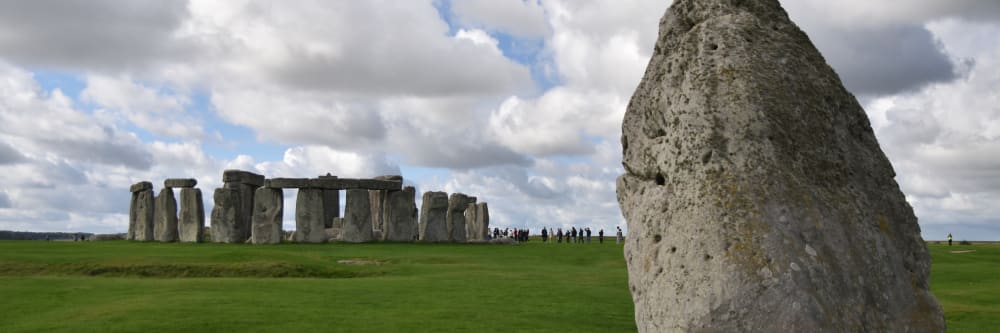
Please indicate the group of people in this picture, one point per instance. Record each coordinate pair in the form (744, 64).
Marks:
(520, 235)
(574, 235)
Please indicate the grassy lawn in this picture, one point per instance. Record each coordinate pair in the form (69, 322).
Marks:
(127, 287)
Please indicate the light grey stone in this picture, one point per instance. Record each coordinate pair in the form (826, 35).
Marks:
(180, 182)
(472, 229)
(224, 228)
(268, 216)
(400, 216)
(741, 147)
(434, 217)
(132, 216)
(144, 205)
(244, 210)
(457, 204)
(309, 226)
(357, 226)
(165, 216)
(243, 177)
(192, 216)
(483, 219)
(141, 186)
(477, 220)
(376, 199)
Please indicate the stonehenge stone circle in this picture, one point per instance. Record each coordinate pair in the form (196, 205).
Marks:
(165, 216)
(191, 224)
(455, 216)
(756, 194)
(357, 226)
(400, 215)
(309, 226)
(331, 203)
(180, 182)
(224, 229)
(143, 205)
(269, 207)
(433, 217)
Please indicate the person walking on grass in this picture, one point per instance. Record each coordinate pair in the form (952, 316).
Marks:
(588, 235)
(545, 236)
(618, 236)
(573, 233)
(559, 235)
(600, 236)
(949, 239)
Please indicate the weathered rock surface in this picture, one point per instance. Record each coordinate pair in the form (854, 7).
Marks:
(472, 230)
(165, 216)
(143, 211)
(457, 204)
(357, 226)
(244, 210)
(309, 226)
(434, 217)
(180, 182)
(243, 177)
(192, 216)
(400, 215)
(482, 220)
(224, 228)
(756, 195)
(376, 200)
(268, 215)
(141, 186)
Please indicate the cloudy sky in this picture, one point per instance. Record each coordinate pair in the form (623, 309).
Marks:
(518, 102)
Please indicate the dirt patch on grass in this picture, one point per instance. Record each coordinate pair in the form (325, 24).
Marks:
(963, 251)
(361, 262)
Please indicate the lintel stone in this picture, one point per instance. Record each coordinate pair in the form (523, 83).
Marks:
(141, 186)
(240, 176)
(180, 182)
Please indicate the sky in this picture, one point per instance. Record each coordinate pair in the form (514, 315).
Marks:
(517, 102)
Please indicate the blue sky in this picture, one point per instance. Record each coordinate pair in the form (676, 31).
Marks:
(516, 102)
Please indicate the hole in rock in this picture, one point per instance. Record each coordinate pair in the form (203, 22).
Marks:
(657, 238)
(660, 180)
(713, 47)
(673, 249)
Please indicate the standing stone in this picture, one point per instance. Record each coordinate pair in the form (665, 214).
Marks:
(483, 220)
(434, 217)
(268, 213)
(224, 215)
(357, 226)
(309, 226)
(144, 205)
(376, 200)
(472, 229)
(132, 211)
(246, 183)
(457, 204)
(400, 216)
(756, 195)
(331, 203)
(165, 216)
(192, 216)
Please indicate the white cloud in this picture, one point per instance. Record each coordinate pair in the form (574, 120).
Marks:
(151, 109)
(522, 18)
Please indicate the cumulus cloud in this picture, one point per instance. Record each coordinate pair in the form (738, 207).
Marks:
(154, 110)
(522, 18)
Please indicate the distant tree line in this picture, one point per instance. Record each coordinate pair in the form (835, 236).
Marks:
(27, 235)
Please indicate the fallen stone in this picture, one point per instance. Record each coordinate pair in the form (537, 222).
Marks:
(141, 186)
(309, 226)
(332, 234)
(434, 217)
(165, 216)
(192, 217)
(742, 151)
(243, 177)
(268, 216)
(144, 205)
(357, 226)
(180, 182)
(400, 216)
(223, 223)
(457, 204)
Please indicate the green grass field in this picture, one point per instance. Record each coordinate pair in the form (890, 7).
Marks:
(127, 287)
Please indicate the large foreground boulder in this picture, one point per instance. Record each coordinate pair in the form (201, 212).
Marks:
(756, 195)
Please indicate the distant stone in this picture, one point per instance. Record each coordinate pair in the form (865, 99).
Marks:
(192, 216)
(244, 210)
(357, 226)
(288, 183)
(144, 205)
(180, 182)
(141, 186)
(457, 204)
(309, 226)
(268, 216)
(477, 219)
(224, 216)
(743, 151)
(396, 178)
(400, 215)
(376, 199)
(433, 217)
(165, 216)
(472, 229)
(244, 177)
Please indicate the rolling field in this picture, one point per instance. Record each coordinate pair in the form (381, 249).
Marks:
(127, 287)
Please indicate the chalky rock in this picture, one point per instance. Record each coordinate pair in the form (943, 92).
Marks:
(180, 182)
(434, 217)
(192, 216)
(400, 216)
(269, 207)
(457, 204)
(756, 195)
(309, 226)
(224, 216)
(357, 227)
(165, 216)
(331, 203)
(143, 211)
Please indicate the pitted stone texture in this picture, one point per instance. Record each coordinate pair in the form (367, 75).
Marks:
(141, 186)
(434, 217)
(165, 216)
(357, 226)
(180, 182)
(400, 216)
(224, 216)
(192, 216)
(742, 152)
(309, 226)
(268, 214)
(457, 204)
(243, 177)
(144, 205)
(244, 210)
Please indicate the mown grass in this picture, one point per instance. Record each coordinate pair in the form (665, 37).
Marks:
(125, 287)
(128, 287)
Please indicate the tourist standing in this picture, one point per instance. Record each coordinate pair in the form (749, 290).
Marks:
(559, 235)
(618, 236)
(588, 235)
(545, 235)
(949, 239)
(600, 236)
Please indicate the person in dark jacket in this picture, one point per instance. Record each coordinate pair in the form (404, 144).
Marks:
(545, 235)
(600, 236)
